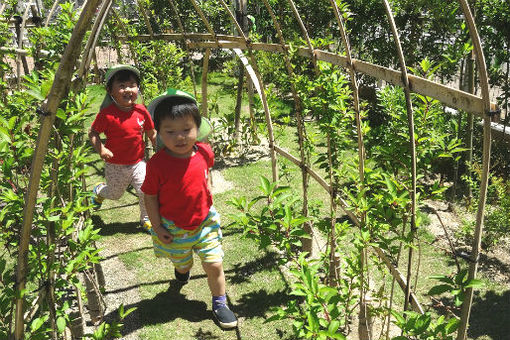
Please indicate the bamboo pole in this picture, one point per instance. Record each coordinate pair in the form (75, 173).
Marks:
(96, 313)
(365, 329)
(186, 45)
(240, 17)
(298, 106)
(205, 21)
(410, 121)
(92, 40)
(50, 13)
(305, 157)
(51, 240)
(484, 85)
(58, 91)
(205, 71)
(254, 73)
(449, 96)
(145, 17)
(470, 121)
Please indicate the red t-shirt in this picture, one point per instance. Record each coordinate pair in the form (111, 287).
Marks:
(181, 185)
(124, 132)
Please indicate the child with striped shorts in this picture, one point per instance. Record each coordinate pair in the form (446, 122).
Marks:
(178, 197)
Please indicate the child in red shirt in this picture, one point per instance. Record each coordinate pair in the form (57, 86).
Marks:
(123, 122)
(179, 201)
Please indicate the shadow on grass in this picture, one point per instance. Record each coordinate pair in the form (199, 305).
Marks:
(163, 308)
(105, 258)
(491, 263)
(490, 314)
(108, 229)
(241, 272)
(257, 303)
(230, 230)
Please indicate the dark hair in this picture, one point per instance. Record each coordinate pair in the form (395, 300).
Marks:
(122, 75)
(176, 107)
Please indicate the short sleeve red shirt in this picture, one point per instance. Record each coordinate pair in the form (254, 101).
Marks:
(124, 132)
(181, 185)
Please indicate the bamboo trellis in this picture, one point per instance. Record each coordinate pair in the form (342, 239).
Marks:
(210, 40)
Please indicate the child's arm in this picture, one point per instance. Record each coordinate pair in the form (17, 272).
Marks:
(152, 206)
(151, 134)
(209, 181)
(95, 140)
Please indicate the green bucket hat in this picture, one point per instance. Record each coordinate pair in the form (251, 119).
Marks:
(205, 126)
(108, 76)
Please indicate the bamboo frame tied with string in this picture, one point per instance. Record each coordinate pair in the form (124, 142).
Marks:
(245, 50)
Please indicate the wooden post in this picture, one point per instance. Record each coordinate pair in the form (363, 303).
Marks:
(470, 122)
(412, 147)
(205, 71)
(484, 85)
(241, 6)
(59, 89)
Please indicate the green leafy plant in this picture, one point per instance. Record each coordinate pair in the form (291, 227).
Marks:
(416, 326)
(279, 222)
(319, 316)
(112, 330)
(455, 285)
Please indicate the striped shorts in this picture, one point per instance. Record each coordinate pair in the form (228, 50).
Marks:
(205, 241)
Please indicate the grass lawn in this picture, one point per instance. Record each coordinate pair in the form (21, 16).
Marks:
(254, 281)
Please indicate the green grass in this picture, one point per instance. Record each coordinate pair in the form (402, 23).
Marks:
(254, 281)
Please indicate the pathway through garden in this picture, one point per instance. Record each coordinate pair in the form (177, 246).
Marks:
(165, 310)
(255, 282)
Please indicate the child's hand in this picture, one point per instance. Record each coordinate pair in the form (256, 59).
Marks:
(105, 153)
(163, 235)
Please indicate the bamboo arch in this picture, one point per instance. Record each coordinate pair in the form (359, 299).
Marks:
(478, 105)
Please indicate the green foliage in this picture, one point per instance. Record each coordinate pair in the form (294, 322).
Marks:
(47, 44)
(60, 208)
(160, 65)
(416, 326)
(107, 331)
(279, 223)
(318, 317)
(455, 285)
(497, 214)
(319, 311)
(436, 149)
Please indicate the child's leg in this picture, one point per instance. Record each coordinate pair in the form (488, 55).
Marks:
(215, 277)
(208, 247)
(117, 181)
(137, 180)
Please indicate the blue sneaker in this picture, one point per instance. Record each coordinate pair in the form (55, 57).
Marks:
(97, 200)
(225, 317)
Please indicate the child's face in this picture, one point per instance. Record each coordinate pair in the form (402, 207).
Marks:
(179, 135)
(124, 93)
